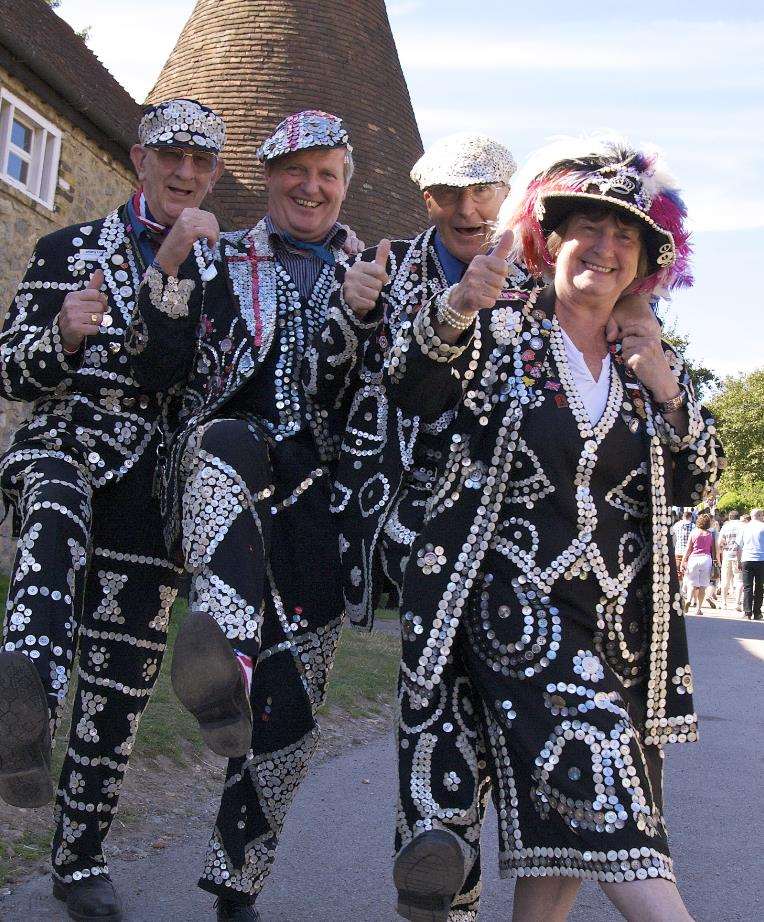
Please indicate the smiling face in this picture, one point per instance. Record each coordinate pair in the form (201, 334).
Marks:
(598, 258)
(306, 190)
(170, 185)
(465, 216)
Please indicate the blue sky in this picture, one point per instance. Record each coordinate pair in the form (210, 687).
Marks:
(687, 76)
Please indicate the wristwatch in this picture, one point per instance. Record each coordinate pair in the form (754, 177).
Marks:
(669, 406)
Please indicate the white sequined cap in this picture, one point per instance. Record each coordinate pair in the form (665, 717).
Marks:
(182, 123)
(464, 159)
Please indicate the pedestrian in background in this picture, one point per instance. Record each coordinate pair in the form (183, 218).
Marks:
(728, 553)
(698, 561)
(752, 565)
(680, 535)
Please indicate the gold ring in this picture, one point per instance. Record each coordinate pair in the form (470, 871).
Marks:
(95, 318)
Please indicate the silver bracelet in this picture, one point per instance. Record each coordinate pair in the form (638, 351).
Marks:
(453, 318)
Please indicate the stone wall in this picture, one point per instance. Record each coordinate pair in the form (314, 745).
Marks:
(90, 184)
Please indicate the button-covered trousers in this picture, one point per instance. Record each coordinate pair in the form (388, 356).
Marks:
(90, 570)
(266, 569)
(454, 799)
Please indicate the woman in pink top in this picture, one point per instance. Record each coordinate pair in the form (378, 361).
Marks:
(698, 560)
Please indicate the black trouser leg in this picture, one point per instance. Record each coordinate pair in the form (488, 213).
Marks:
(753, 587)
(227, 529)
(47, 582)
(130, 590)
(301, 629)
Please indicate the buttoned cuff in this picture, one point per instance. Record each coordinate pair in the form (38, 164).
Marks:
(430, 343)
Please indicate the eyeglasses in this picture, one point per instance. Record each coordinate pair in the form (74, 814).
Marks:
(204, 161)
(480, 194)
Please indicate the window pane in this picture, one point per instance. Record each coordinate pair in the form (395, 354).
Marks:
(21, 136)
(18, 168)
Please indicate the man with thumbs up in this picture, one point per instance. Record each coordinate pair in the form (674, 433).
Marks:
(387, 466)
(91, 569)
(246, 490)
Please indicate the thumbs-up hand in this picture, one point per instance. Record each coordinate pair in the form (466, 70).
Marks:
(483, 282)
(82, 312)
(365, 280)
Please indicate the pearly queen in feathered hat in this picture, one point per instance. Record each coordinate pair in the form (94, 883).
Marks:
(605, 169)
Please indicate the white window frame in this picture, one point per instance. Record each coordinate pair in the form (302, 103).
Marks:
(42, 173)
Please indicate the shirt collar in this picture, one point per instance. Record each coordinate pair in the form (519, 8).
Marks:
(335, 238)
(453, 268)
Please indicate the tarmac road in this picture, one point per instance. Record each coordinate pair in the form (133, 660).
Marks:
(334, 862)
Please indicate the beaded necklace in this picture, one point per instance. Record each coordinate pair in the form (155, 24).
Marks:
(122, 281)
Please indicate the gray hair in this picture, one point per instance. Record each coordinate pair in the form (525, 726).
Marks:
(348, 167)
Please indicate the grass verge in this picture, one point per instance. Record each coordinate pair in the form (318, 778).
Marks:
(361, 687)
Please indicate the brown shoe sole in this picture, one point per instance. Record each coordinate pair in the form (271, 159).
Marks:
(209, 682)
(25, 779)
(428, 874)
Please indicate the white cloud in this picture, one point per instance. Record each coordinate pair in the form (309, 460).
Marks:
(725, 54)
(717, 160)
(404, 7)
(118, 35)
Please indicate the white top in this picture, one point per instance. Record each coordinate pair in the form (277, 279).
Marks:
(752, 541)
(730, 534)
(593, 393)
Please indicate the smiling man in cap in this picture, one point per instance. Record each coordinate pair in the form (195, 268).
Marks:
(246, 488)
(91, 567)
(387, 465)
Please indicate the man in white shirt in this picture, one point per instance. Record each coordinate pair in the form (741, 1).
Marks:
(728, 554)
(752, 563)
(680, 535)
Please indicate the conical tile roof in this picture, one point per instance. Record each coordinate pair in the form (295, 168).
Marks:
(255, 61)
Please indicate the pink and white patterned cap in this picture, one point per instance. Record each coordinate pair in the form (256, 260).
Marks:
(303, 130)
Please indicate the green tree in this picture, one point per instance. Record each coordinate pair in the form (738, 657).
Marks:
(703, 378)
(739, 410)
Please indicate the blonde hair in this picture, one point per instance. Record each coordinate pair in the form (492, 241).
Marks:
(703, 521)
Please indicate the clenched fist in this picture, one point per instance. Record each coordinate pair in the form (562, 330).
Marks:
(82, 313)
(192, 224)
(364, 281)
(484, 279)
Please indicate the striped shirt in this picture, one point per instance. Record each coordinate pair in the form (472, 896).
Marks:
(302, 266)
(681, 535)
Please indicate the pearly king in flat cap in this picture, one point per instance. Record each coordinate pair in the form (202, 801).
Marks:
(464, 159)
(303, 130)
(182, 123)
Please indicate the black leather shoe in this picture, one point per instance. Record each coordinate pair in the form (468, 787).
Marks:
(25, 779)
(92, 899)
(208, 680)
(228, 911)
(428, 873)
